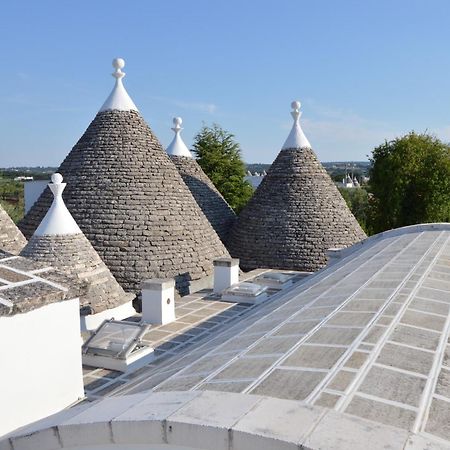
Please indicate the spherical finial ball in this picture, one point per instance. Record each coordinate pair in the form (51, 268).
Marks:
(296, 104)
(177, 121)
(118, 63)
(57, 178)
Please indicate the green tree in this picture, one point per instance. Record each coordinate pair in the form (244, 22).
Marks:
(357, 200)
(219, 155)
(410, 182)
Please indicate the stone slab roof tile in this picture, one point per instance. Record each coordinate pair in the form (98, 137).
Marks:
(208, 198)
(295, 215)
(132, 204)
(11, 238)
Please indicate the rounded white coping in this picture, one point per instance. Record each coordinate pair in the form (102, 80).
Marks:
(58, 220)
(177, 147)
(442, 226)
(210, 420)
(296, 138)
(119, 98)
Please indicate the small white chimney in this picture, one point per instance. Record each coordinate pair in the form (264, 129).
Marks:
(226, 273)
(158, 301)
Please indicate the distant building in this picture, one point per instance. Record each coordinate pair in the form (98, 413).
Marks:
(23, 178)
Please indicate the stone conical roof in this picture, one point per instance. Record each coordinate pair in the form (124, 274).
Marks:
(131, 203)
(11, 238)
(60, 243)
(295, 215)
(210, 200)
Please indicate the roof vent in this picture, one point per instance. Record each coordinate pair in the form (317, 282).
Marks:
(117, 346)
(275, 280)
(245, 293)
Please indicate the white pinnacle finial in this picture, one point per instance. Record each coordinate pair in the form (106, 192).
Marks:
(57, 178)
(118, 64)
(177, 147)
(58, 219)
(177, 121)
(119, 98)
(296, 138)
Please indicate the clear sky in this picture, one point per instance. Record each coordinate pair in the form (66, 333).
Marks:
(364, 70)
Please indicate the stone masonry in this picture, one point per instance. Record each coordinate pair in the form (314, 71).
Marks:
(294, 217)
(11, 239)
(210, 200)
(131, 203)
(73, 255)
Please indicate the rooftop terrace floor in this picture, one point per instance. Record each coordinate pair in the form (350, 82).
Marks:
(368, 336)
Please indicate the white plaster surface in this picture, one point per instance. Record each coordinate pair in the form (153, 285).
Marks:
(214, 421)
(177, 147)
(40, 354)
(58, 220)
(272, 418)
(118, 99)
(151, 411)
(215, 413)
(158, 306)
(93, 321)
(341, 432)
(224, 277)
(296, 138)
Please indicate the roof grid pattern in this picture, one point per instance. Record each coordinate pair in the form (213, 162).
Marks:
(368, 336)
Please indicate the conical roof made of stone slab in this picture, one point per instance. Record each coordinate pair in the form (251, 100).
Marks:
(11, 238)
(73, 255)
(210, 200)
(128, 198)
(294, 217)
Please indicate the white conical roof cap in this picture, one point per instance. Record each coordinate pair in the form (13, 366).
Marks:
(58, 220)
(296, 138)
(119, 98)
(177, 147)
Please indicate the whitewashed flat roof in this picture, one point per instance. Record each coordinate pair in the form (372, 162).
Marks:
(360, 351)
(367, 336)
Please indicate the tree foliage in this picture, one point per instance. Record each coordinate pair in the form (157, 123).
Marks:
(11, 198)
(357, 200)
(219, 155)
(410, 182)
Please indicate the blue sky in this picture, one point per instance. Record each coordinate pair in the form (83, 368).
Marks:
(364, 71)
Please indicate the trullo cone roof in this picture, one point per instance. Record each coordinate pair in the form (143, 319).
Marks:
(295, 215)
(211, 202)
(11, 238)
(60, 243)
(130, 201)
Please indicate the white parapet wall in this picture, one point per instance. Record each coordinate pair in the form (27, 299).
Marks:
(41, 372)
(93, 321)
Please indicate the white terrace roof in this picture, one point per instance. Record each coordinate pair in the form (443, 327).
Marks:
(359, 351)
(367, 336)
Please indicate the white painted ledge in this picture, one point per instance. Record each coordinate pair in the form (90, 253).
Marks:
(211, 420)
(93, 321)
